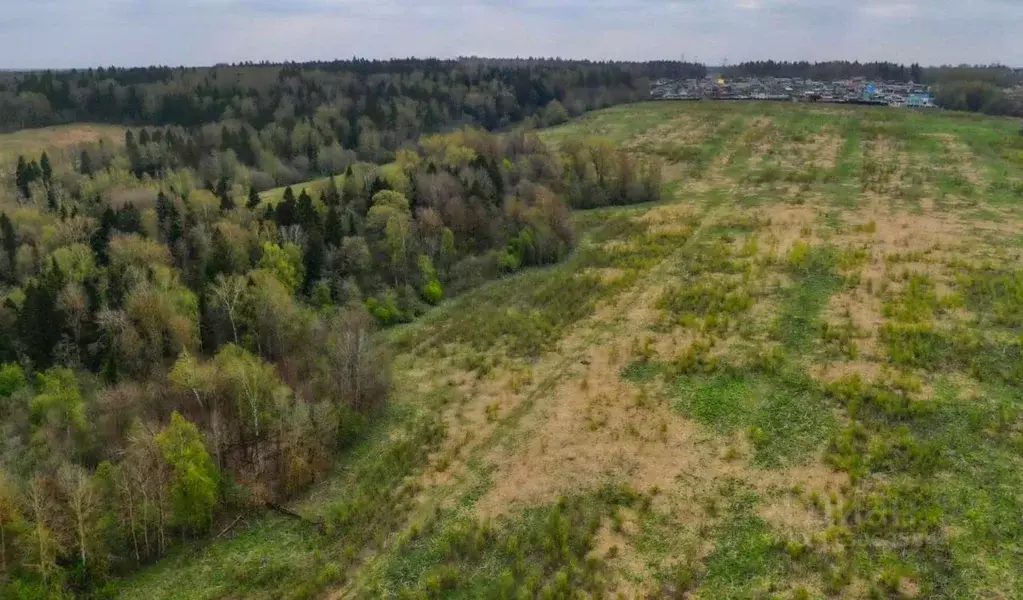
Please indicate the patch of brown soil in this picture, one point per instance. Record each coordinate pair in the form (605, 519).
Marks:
(895, 232)
(468, 423)
(612, 430)
(868, 371)
(820, 151)
(788, 224)
(674, 219)
(861, 308)
(606, 275)
(790, 515)
(962, 159)
(618, 549)
(824, 149)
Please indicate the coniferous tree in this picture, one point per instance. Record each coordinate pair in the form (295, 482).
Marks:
(332, 228)
(46, 169)
(9, 239)
(40, 321)
(21, 176)
(332, 195)
(51, 200)
(85, 164)
(226, 202)
(313, 260)
(254, 200)
(129, 219)
(305, 213)
(163, 209)
(100, 239)
(285, 212)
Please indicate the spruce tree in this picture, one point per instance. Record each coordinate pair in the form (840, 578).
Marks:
(46, 168)
(100, 240)
(313, 260)
(85, 164)
(286, 209)
(253, 199)
(129, 219)
(9, 239)
(305, 213)
(332, 228)
(40, 320)
(332, 196)
(163, 208)
(226, 202)
(21, 175)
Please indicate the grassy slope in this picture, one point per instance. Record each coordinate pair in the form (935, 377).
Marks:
(315, 187)
(796, 376)
(33, 142)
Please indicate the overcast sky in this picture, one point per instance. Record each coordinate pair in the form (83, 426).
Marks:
(77, 33)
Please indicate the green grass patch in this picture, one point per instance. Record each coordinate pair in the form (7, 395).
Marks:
(785, 415)
(814, 280)
(747, 559)
(542, 552)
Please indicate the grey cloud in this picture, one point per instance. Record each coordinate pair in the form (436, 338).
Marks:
(64, 33)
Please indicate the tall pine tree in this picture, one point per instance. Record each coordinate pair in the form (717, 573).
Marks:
(46, 169)
(9, 239)
(226, 202)
(253, 199)
(285, 212)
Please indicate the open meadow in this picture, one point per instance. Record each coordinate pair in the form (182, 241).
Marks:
(799, 376)
(32, 142)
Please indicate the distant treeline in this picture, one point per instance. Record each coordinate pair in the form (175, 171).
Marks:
(406, 97)
(827, 71)
(979, 88)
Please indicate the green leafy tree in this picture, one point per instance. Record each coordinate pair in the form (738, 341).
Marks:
(391, 220)
(194, 478)
(12, 379)
(285, 263)
(431, 290)
(58, 413)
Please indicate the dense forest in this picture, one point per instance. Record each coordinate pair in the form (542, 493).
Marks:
(396, 100)
(176, 347)
(992, 90)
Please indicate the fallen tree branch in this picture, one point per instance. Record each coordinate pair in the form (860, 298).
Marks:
(229, 527)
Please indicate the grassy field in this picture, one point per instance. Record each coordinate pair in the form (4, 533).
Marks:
(798, 377)
(33, 142)
(315, 187)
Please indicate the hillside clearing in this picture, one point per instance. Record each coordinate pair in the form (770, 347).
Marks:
(33, 142)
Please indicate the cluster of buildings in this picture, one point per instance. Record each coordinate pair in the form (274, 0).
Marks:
(857, 90)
